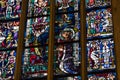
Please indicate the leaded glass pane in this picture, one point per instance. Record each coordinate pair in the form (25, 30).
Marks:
(67, 59)
(69, 78)
(7, 64)
(67, 5)
(10, 9)
(99, 23)
(100, 55)
(9, 34)
(102, 76)
(97, 3)
(38, 7)
(67, 27)
(35, 60)
(37, 31)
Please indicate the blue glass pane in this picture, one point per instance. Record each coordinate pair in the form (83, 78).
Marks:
(9, 34)
(10, 9)
(67, 59)
(38, 7)
(99, 23)
(102, 76)
(67, 5)
(97, 3)
(100, 55)
(67, 27)
(37, 31)
(7, 64)
(35, 62)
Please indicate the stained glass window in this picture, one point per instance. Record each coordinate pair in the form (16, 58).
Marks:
(100, 42)
(35, 56)
(9, 26)
(67, 57)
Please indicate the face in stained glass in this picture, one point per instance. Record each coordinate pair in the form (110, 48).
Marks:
(99, 23)
(35, 62)
(67, 28)
(100, 55)
(37, 31)
(67, 59)
(9, 34)
(10, 9)
(97, 3)
(102, 76)
(67, 5)
(38, 7)
(7, 64)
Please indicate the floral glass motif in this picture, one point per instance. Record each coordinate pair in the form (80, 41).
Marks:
(103, 76)
(7, 64)
(38, 7)
(67, 5)
(37, 31)
(70, 78)
(35, 60)
(9, 34)
(67, 59)
(10, 9)
(100, 55)
(99, 23)
(67, 27)
(97, 3)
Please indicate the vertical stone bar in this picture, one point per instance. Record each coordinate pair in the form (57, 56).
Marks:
(83, 40)
(20, 46)
(116, 26)
(51, 41)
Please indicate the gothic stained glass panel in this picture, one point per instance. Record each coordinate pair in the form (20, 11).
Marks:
(35, 62)
(37, 31)
(10, 9)
(99, 23)
(102, 76)
(67, 59)
(97, 3)
(67, 5)
(67, 27)
(38, 7)
(7, 64)
(100, 55)
(9, 34)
